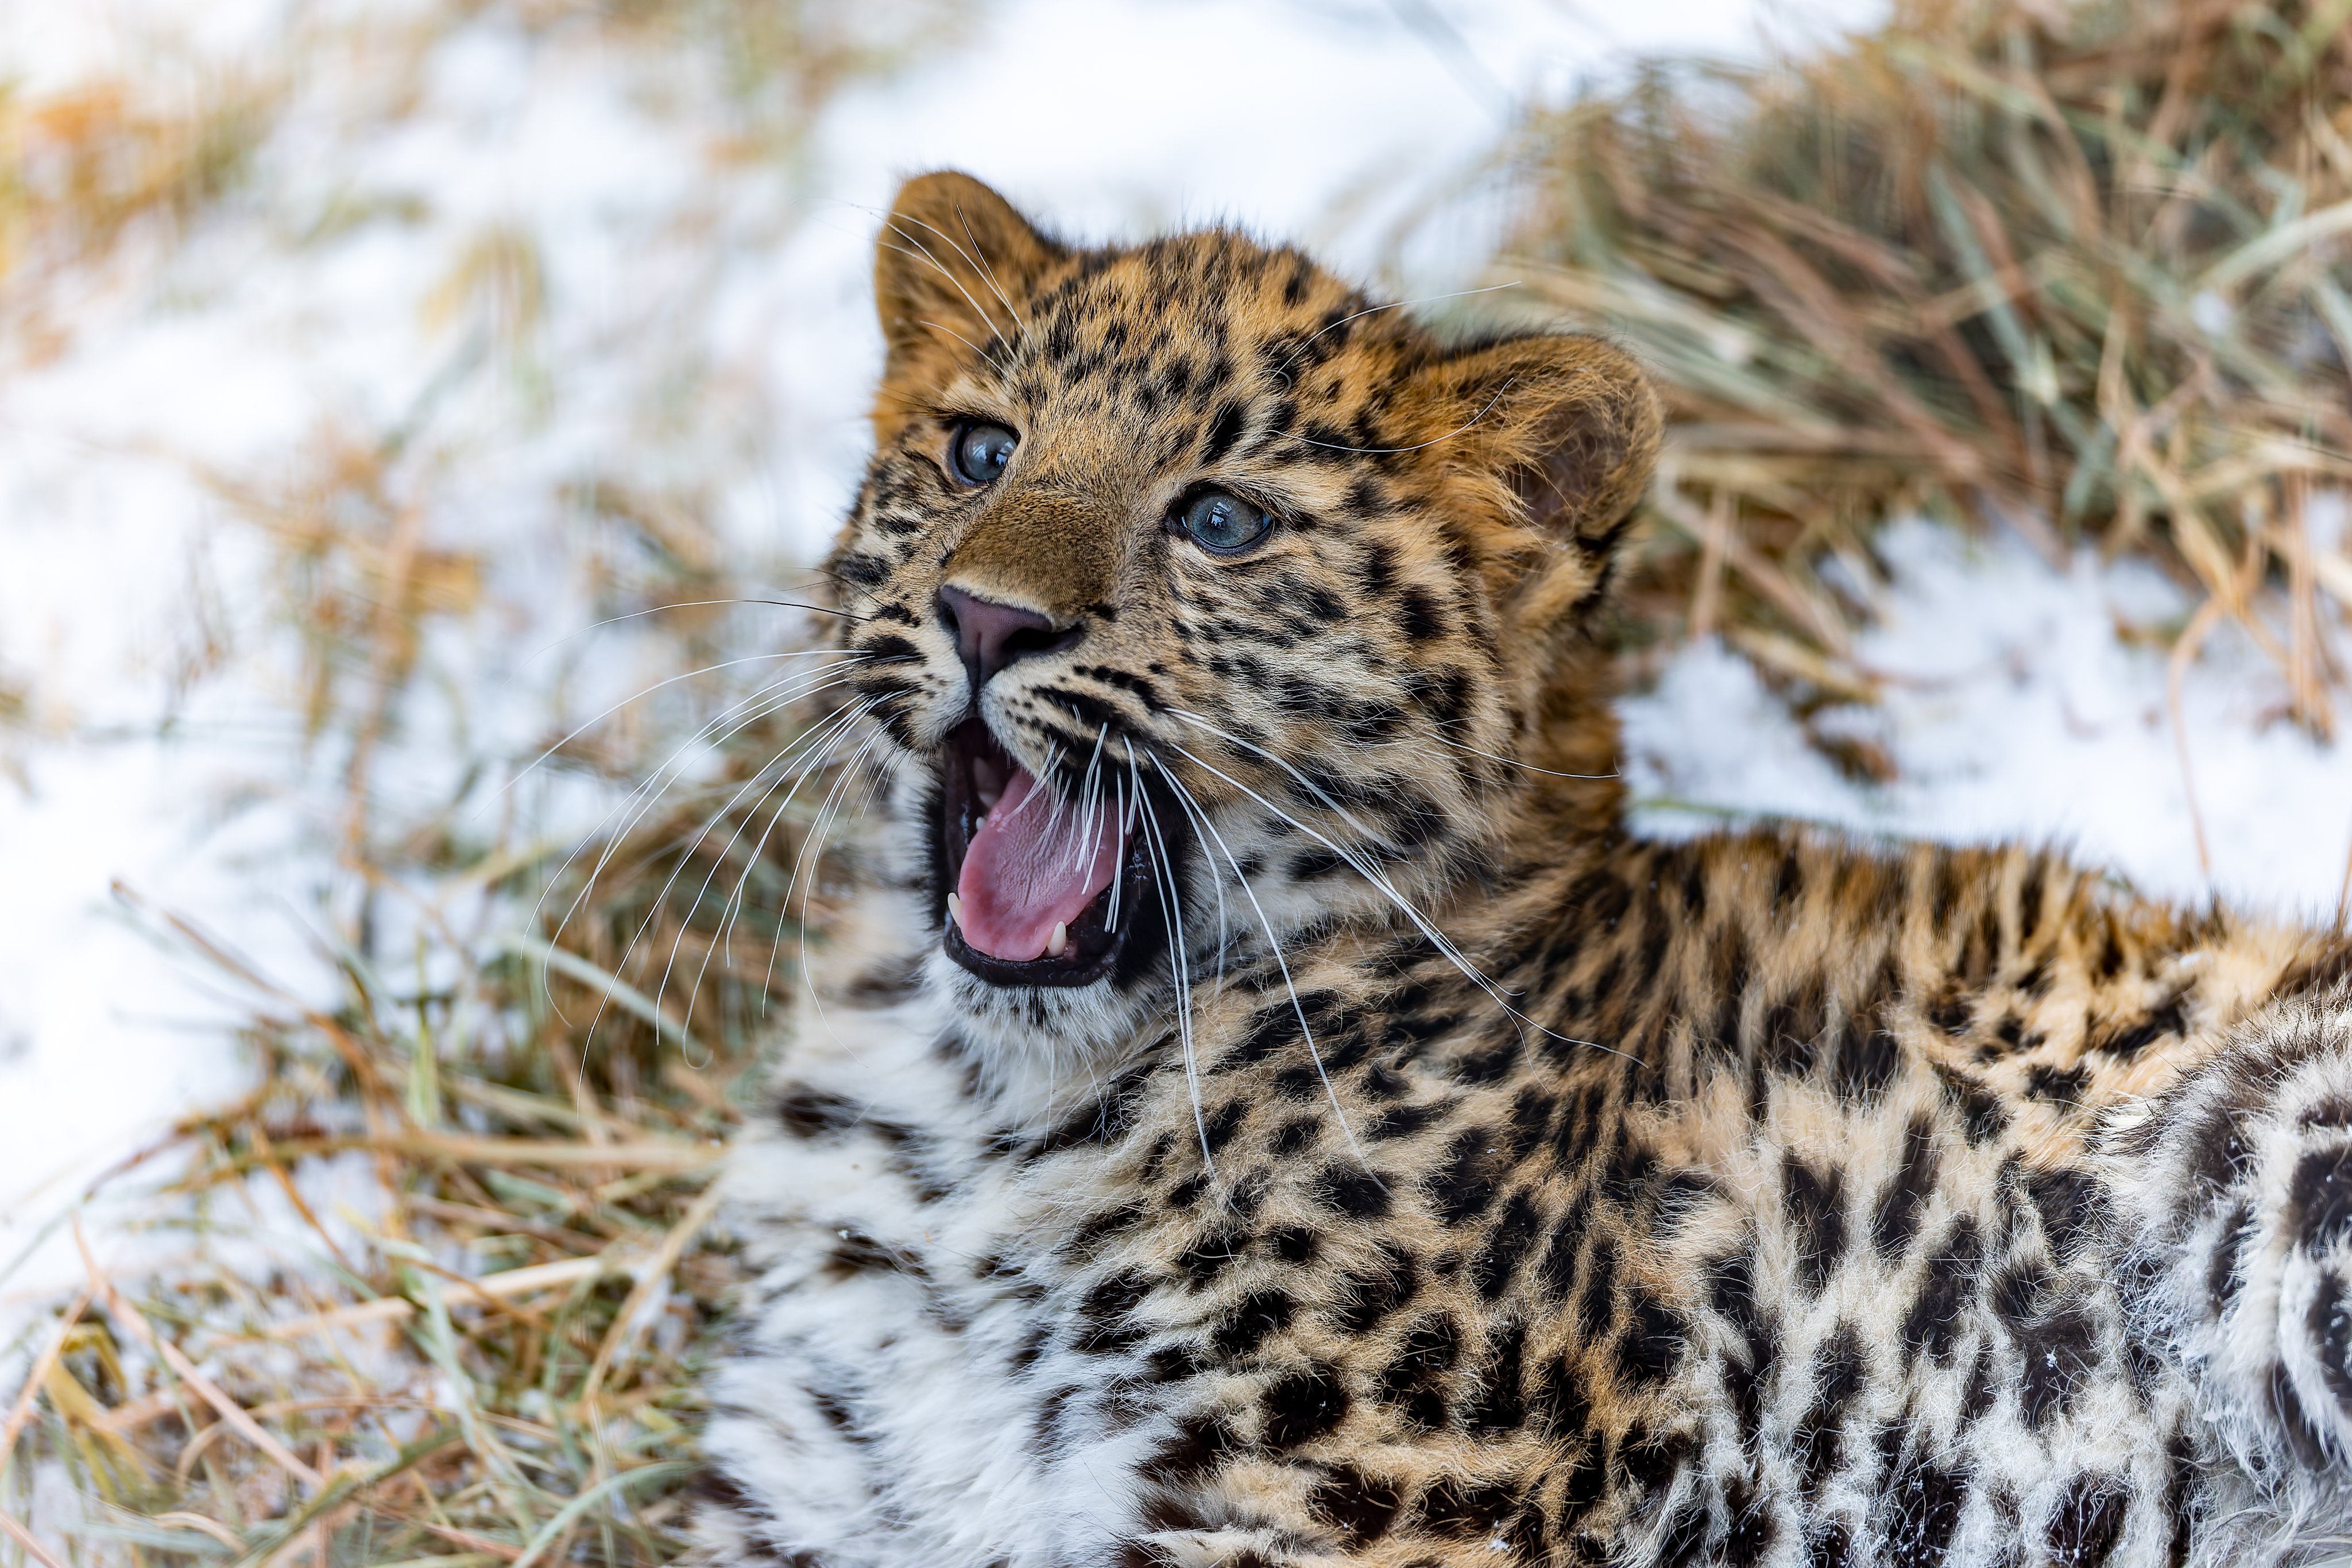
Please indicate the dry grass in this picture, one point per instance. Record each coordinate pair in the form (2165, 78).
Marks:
(2084, 269)
(535, 1056)
(533, 1061)
(446, 1276)
(503, 1369)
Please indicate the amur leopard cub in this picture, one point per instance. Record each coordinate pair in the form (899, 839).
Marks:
(1263, 1109)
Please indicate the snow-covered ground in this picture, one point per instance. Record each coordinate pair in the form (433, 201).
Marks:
(481, 267)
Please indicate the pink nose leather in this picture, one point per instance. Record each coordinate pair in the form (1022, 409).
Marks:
(990, 635)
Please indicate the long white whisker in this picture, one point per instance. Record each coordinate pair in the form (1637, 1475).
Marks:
(784, 910)
(1172, 910)
(1197, 722)
(1372, 875)
(1111, 922)
(1192, 812)
(1364, 868)
(1002, 368)
(640, 801)
(978, 309)
(1514, 762)
(755, 705)
(837, 725)
(940, 267)
(825, 815)
(733, 910)
(641, 696)
(979, 264)
(1037, 792)
(1090, 799)
(812, 852)
(1053, 770)
(543, 651)
(816, 999)
(1275, 944)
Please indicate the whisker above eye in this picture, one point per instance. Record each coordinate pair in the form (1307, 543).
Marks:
(1002, 368)
(976, 256)
(923, 252)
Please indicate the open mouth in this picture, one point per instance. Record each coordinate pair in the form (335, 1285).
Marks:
(1046, 892)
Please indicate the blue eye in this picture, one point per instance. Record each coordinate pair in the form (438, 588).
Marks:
(980, 452)
(1222, 521)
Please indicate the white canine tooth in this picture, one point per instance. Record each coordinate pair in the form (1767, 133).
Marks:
(955, 910)
(1059, 942)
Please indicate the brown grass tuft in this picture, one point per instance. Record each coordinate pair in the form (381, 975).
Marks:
(501, 1365)
(2087, 269)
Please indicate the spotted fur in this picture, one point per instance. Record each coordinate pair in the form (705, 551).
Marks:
(1441, 1176)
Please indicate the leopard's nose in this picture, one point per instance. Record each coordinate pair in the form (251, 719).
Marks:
(990, 635)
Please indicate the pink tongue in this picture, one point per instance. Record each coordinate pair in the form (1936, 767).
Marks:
(1033, 865)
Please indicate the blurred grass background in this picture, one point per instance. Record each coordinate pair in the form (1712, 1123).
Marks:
(2077, 271)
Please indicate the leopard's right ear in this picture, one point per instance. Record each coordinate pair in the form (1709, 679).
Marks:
(954, 266)
(1557, 434)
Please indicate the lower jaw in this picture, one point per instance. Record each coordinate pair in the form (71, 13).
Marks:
(1096, 946)
(1081, 969)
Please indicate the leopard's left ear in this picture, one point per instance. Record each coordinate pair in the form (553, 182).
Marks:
(1559, 433)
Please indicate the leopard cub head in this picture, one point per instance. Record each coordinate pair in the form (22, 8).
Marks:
(1199, 601)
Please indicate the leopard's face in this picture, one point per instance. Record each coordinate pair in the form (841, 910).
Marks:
(1198, 598)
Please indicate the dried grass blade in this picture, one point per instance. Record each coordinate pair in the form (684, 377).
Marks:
(485, 1288)
(22, 1410)
(573, 967)
(2276, 245)
(1714, 536)
(652, 1277)
(121, 1310)
(504, 1153)
(180, 1518)
(580, 1505)
(25, 1538)
(285, 1535)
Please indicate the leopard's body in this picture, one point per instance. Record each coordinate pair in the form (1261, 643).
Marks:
(1441, 1176)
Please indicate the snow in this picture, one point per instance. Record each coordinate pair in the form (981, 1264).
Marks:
(2018, 704)
(514, 246)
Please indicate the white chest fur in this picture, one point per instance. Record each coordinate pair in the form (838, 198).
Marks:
(900, 1390)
